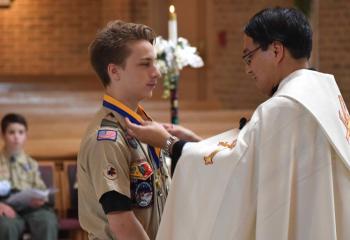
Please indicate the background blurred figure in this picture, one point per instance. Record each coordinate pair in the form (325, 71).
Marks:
(18, 171)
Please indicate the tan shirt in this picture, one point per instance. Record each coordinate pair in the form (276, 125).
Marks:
(111, 160)
(22, 171)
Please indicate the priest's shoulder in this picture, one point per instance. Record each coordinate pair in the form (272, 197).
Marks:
(278, 105)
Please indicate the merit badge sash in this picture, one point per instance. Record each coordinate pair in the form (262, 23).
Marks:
(134, 117)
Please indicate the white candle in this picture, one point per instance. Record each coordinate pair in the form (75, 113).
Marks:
(172, 25)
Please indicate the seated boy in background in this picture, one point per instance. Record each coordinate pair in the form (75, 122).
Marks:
(18, 171)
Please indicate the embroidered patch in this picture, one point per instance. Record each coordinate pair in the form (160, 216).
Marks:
(110, 135)
(141, 159)
(131, 141)
(144, 194)
(110, 172)
(141, 170)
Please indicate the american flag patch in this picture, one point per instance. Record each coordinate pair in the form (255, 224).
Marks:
(106, 135)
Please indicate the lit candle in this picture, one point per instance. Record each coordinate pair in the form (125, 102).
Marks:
(172, 25)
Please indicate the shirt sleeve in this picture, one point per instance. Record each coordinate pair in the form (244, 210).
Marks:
(108, 167)
(113, 201)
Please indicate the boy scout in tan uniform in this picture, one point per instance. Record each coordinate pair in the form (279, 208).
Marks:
(21, 172)
(117, 174)
(123, 164)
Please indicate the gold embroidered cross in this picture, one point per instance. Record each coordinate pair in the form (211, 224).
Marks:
(344, 117)
(208, 160)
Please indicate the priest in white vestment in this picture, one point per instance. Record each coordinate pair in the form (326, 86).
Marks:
(283, 176)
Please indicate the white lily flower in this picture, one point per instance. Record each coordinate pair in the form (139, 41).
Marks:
(171, 58)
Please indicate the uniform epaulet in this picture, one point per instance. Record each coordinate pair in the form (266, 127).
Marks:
(109, 123)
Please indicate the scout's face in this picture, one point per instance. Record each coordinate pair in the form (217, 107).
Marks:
(260, 65)
(15, 137)
(139, 76)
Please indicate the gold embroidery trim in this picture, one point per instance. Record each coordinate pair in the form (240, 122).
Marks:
(344, 117)
(208, 160)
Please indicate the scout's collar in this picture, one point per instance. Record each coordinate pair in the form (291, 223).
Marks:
(136, 118)
(19, 156)
(113, 104)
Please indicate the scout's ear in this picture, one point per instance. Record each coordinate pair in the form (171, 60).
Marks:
(113, 72)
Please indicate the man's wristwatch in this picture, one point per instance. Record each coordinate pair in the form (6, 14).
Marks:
(169, 143)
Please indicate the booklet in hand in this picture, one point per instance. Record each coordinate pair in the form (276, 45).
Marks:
(24, 197)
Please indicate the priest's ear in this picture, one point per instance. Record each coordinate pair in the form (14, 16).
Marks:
(113, 72)
(278, 51)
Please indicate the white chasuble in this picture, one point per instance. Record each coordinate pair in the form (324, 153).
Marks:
(284, 176)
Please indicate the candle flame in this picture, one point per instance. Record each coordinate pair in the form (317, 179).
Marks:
(172, 8)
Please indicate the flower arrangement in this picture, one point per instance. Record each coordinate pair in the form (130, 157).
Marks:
(171, 58)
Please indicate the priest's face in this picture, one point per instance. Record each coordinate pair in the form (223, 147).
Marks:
(259, 65)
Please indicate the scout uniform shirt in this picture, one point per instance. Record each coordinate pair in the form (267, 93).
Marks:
(111, 160)
(21, 171)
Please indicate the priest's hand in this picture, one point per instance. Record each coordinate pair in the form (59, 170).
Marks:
(149, 132)
(182, 132)
(7, 211)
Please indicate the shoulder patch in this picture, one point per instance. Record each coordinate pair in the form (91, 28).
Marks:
(131, 141)
(141, 170)
(105, 134)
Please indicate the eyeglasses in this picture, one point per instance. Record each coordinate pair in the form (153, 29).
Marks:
(247, 58)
